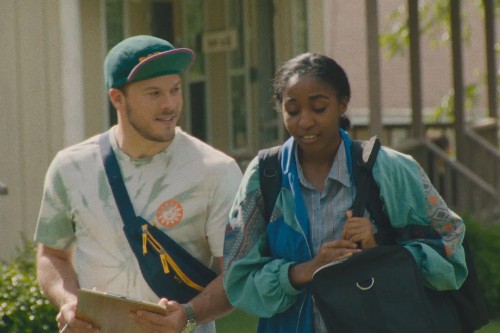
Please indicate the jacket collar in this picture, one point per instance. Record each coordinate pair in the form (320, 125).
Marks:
(289, 163)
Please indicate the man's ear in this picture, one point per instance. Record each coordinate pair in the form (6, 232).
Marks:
(116, 97)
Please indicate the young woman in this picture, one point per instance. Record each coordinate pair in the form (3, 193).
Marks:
(268, 264)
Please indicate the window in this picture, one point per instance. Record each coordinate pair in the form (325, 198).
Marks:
(196, 96)
(162, 20)
(114, 35)
(239, 83)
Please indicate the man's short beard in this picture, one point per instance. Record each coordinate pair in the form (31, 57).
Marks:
(142, 131)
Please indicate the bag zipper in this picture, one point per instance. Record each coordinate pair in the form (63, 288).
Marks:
(166, 259)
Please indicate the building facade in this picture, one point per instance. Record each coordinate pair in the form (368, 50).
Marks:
(52, 92)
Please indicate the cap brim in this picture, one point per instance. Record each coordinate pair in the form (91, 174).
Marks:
(174, 61)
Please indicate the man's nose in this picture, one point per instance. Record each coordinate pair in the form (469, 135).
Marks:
(167, 102)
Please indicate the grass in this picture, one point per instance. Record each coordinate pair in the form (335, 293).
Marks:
(238, 322)
(241, 322)
(492, 327)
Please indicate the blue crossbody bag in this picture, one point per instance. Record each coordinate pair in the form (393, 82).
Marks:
(168, 268)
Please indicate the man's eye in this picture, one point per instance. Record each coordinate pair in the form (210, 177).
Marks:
(319, 110)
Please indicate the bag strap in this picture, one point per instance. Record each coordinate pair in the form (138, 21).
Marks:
(165, 243)
(363, 160)
(115, 179)
(364, 156)
(270, 177)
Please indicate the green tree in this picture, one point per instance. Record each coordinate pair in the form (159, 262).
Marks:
(435, 24)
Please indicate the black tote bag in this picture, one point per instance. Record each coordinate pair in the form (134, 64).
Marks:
(380, 290)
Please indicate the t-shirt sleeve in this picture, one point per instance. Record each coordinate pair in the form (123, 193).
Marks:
(223, 196)
(55, 226)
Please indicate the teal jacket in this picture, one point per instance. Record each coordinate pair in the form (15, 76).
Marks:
(258, 254)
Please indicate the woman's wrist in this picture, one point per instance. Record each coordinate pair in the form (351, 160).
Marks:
(300, 274)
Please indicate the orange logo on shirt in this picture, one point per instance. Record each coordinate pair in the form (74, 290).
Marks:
(169, 214)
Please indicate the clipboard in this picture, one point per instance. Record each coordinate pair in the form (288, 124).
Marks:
(111, 312)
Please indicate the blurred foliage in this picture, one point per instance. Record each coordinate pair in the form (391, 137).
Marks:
(484, 241)
(23, 308)
(445, 108)
(434, 19)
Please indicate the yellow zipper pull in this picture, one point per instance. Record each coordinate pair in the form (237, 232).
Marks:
(144, 239)
(164, 263)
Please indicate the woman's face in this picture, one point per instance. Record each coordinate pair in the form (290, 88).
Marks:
(311, 113)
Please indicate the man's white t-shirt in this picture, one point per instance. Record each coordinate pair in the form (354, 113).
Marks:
(186, 191)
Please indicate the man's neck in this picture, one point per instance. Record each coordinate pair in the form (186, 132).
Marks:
(136, 146)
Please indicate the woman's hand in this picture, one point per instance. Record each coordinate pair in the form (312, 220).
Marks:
(359, 230)
(302, 273)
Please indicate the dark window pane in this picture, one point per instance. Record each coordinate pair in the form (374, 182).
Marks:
(237, 22)
(239, 111)
(114, 35)
(162, 22)
(198, 110)
(192, 36)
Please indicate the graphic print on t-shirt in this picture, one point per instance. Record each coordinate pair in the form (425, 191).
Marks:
(169, 214)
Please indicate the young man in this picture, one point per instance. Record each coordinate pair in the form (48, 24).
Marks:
(175, 182)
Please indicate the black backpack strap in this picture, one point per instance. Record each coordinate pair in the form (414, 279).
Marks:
(270, 177)
(363, 155)
(270, 174)
(115, 179)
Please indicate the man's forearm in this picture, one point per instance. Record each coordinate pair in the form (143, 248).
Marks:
(212, 303)
(56, 276)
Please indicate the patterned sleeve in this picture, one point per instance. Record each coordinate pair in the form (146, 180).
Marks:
(442, 260)
(434, 233)
(254, 281)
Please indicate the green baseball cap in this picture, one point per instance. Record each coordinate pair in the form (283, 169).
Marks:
(144, 57)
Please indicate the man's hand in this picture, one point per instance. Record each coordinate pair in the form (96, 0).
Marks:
(208, 306)
(173, 322)
(66, 319)
(57, 278)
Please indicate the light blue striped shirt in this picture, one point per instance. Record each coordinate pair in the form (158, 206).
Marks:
(327, 210)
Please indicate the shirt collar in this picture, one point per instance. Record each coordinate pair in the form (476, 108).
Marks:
(338, 172)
